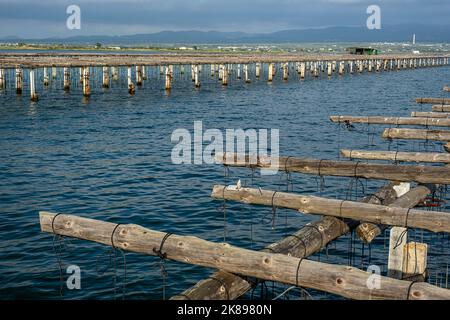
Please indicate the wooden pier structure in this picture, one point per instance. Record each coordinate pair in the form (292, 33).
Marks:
(224, 66)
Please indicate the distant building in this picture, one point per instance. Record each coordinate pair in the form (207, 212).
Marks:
(362, 51)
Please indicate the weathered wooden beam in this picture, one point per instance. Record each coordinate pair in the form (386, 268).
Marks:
(346, 281)
(393, 216)
(416, 134)
(368, 231)
(438, 122)
(430, 114)
(433, 100)
(403, 173)
(441, 108)
(431, 157)
(311, 238)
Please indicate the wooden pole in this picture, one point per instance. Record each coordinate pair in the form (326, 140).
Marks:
(86, 84)
(81, 74)
(238, 71)
(432, 221)
(33, 94)
(258, 70)
(246, 76)
(54, 72)
(131, 89)
(441, 108)
(144, 73)
(392, 120)
(397, 240)
(403, 173)
(115, 73)
(2, 78)
(397, 156)
(66, 78)
(302, 70)
(105, 74)
(168, 81)
(138, 76)
(224, 76)
(330, 70)
(270, 73)
(197, 79)
(430, 114)
(416, 134)
(285, 71)
(341, 67)
(433, 100)
(341, 280)
(46, 76)
(18, 80)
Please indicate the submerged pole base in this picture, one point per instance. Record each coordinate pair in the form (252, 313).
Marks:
(131, 89)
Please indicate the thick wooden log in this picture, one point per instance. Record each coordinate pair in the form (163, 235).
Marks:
(368, 231)
(421, 114)
(431, 157)
(416, 134)
(393, 216)
(401, 121)
(346, 281)
(403, 173)
(441, 108)
(433, 100)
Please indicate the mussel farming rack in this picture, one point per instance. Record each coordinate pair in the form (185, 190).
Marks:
(394, 207)
(19, 68)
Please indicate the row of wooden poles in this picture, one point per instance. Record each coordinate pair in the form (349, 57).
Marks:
(223, 71)
(284, 261)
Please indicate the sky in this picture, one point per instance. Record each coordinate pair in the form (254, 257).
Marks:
(47, 18)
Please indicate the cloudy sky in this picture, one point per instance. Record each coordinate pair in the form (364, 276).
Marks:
(44, 18)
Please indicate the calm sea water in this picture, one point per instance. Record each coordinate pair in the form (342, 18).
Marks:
(109, 158)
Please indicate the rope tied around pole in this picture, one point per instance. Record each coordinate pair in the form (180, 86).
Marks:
(163, 257)
(58, 238)
(158, 252)
(114, 248)
(321, 181)
(274, 209)
(288, 175)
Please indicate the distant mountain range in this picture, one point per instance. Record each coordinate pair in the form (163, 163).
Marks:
(393, 33)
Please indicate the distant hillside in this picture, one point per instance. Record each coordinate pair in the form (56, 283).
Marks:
(397, 33)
